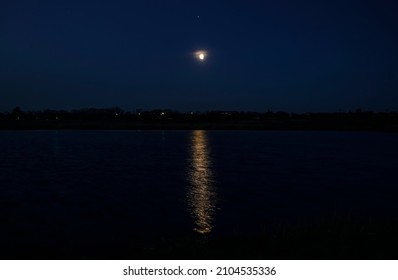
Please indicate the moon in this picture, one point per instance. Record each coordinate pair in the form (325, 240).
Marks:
(201, 55)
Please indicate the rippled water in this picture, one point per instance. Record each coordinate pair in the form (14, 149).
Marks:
(62, 187)
(202, 194)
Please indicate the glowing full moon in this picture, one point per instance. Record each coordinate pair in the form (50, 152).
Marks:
(201, 55)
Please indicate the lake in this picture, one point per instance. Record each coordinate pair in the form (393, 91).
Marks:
(79, 190)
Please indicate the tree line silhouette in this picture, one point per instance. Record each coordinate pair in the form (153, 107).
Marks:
(160, 118)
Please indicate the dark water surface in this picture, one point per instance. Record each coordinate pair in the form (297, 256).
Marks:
(73, 188)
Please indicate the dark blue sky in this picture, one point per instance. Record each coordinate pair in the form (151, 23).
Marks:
(279, 55)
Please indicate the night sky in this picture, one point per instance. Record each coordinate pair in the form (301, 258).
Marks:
(294, 56)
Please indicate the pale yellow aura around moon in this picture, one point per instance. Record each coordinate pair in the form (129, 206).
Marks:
(201, 55)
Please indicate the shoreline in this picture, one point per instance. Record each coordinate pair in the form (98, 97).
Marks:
(266, 125)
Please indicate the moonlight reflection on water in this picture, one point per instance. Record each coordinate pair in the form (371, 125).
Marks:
(201, 193)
